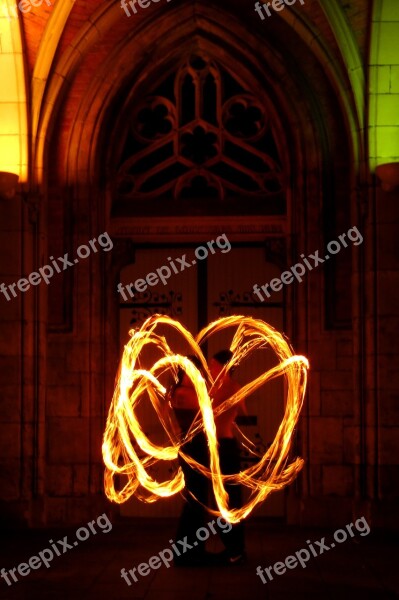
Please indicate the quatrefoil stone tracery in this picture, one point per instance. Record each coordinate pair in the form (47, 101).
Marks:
(200, 130)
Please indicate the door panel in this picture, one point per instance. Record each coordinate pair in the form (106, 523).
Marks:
(230, 281)
(177, 299)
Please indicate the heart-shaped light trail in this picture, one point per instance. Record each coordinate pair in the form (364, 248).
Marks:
(124, 436)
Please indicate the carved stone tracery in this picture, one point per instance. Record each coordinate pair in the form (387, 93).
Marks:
(199, 139)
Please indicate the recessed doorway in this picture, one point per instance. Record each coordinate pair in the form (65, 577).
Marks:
(220, 285)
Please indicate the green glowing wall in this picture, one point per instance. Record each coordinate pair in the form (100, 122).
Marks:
(384, 84)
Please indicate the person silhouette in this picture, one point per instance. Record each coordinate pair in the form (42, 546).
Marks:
(229, 450)
(184, 402)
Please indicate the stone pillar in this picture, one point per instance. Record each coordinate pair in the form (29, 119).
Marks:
(22, 349)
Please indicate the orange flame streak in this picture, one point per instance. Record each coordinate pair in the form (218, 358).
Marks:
(271, 472)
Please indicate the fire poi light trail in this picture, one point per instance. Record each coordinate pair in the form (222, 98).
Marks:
(124, 435)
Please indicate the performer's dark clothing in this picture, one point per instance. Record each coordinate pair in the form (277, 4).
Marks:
(194, 514)
(229, 453)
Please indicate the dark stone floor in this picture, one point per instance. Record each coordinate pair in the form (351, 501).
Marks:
(359, 568)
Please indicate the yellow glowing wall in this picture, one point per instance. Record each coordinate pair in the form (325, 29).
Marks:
(13, 106)
(384, 84)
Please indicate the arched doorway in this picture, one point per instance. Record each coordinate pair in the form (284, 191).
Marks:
(313, 163)
(199, 158)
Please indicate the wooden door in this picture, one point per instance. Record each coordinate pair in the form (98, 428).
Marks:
(230, 282)
(177, 299)
(219, 286)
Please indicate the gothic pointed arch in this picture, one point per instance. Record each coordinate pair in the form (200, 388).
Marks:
(300, 95)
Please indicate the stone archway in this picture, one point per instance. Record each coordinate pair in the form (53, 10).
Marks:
(315, 157)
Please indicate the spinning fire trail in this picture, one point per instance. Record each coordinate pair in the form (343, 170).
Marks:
(124, 436)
